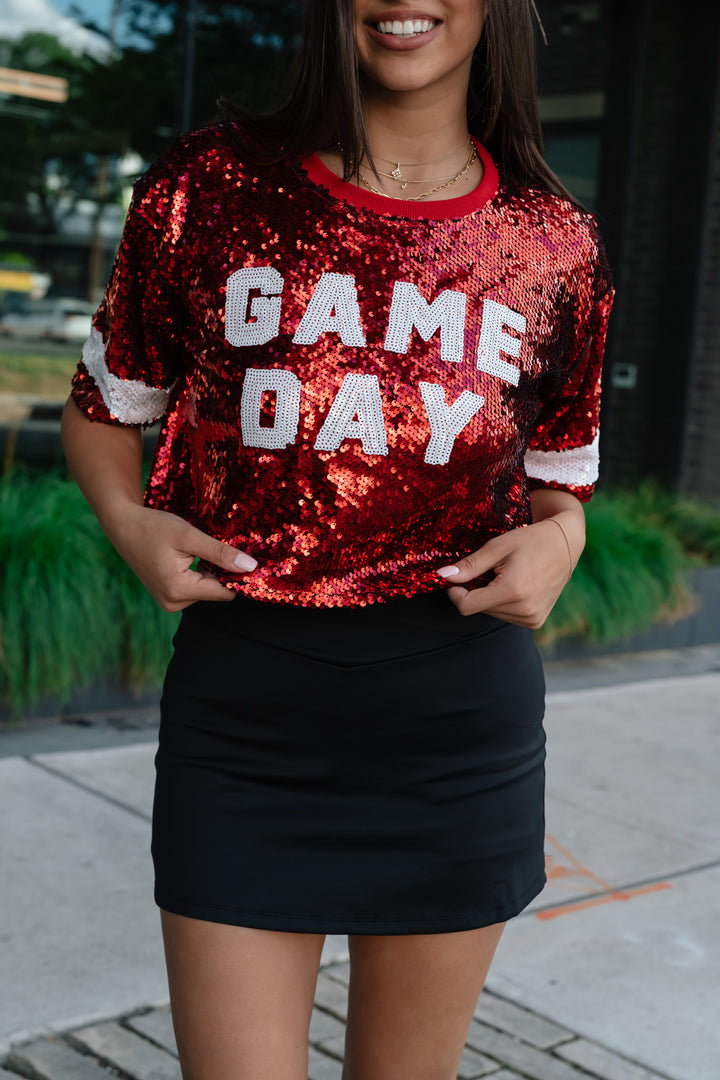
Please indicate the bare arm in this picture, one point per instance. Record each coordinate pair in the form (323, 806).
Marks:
(106, 461)
(532, 564)
(547, 502)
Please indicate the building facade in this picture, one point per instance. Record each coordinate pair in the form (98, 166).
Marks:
(631, 111)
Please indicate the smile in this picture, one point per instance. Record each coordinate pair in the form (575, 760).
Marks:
(406, 28)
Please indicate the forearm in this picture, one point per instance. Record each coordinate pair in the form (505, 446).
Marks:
(549, 503)
(106, 462)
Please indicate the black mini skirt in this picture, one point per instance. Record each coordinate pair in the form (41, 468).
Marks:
(373, 770)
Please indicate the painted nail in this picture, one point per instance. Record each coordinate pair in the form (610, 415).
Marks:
(244, 562)
(448, 571)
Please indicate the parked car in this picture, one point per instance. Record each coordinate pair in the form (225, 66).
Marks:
(59, 318)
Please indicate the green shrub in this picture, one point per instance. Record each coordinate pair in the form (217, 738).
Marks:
(71, 611)
(73, 614)
(631, 575)
(694, 522)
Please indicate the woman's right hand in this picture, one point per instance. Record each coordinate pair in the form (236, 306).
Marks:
(160, 549)
(106, 461)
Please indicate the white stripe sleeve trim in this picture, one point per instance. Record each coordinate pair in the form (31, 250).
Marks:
(579, 466)
(131, 401)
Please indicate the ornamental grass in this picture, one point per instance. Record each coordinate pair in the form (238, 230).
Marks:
(631, 575)
(73, 615)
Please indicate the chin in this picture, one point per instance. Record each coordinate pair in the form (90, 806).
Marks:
(398, 80)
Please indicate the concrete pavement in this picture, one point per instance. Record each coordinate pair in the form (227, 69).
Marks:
(505, 1042)
(613, 972)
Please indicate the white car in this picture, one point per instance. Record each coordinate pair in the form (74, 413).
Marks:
(60, 319)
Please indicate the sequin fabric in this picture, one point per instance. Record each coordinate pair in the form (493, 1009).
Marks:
(355, 397)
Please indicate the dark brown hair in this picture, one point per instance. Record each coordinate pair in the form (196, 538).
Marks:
(326, 102)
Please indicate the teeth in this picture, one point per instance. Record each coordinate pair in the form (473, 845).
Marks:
(406, 28)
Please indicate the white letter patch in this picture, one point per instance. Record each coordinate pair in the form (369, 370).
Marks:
(493, 340)
(410, 309)
(358, 394)
(446, 421)
(287, 408)
(265, 312)
(334, 292)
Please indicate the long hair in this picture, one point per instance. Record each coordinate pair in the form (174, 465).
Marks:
(326, 105)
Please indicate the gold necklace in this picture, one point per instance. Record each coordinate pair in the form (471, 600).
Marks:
(405, 182)
(396, 174)
(397, 171)
(440, 187)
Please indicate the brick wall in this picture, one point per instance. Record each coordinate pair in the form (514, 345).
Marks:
(700, 471)
(658, 204)
(657, 239)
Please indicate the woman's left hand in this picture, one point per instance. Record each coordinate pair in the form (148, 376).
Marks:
(532, 565)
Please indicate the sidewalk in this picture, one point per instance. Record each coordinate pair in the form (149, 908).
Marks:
(613, 972)
(503, 1038)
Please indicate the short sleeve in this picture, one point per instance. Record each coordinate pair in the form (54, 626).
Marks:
(132, 358)
(563, 450)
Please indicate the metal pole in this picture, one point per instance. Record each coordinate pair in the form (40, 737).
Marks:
(96, 262)
(191, 18)
(114, 18)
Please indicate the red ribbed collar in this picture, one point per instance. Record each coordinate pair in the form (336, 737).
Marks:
(442, 208)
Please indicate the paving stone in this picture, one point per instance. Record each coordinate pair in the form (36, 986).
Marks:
(604, 1063)
(334, 950)
(507, 1074)
(76, 928)
(526, 1025)
(331, 995)
(340, 972)
(128, 1051)
(322, 1067)
(528, 1060)
(52, 1059)
(474, 1064)
(335, 1045)
(156, 1025)
(323, 1026)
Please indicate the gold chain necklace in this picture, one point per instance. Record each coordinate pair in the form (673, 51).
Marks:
(397, 171)
(424, 195)
(406, 181)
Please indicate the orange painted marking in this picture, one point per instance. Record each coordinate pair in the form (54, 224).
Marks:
(578, 868)
(606, 898)
(555, 870)
(574, 869)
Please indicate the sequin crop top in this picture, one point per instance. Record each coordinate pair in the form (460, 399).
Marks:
(353, 389)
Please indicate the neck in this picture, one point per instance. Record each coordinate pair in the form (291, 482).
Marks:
(418, 126)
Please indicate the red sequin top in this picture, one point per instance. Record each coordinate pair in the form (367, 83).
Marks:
(355, 390)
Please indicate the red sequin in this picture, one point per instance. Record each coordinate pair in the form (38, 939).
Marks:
(374, 516)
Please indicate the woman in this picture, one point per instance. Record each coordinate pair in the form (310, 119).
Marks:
(373, 324)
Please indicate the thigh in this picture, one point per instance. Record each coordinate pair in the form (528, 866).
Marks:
(241, 998)
(411, 1001)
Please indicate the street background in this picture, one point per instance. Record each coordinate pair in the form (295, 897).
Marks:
(614, 971)
(621, 950)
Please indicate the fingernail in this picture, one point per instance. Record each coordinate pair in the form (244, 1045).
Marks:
(244, 562)
(448, 571)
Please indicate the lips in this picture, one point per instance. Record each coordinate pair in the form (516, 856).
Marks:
(402, 14)
(403, 28)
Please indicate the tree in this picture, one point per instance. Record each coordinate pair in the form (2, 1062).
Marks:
(58, 154)
(45, 146)
(241, 50)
